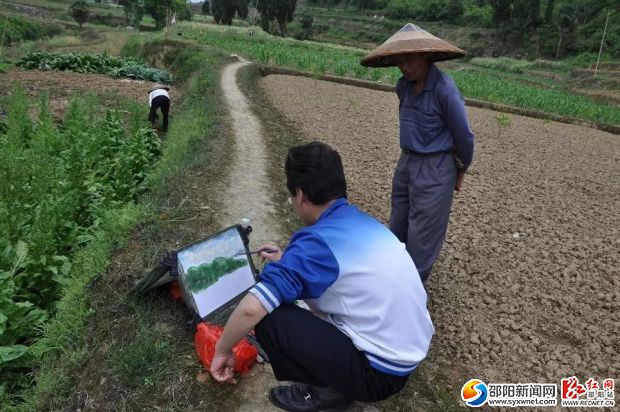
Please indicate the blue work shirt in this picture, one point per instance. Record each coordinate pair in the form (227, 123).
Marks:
(435, 121)
(355, 274)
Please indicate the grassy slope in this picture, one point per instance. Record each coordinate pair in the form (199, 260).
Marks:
(101, 339)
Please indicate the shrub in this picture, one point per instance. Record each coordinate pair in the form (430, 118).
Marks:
(18, 29)
(587, 59)
(550, 64)
(479, 16)
(4, 66)
(502, 63)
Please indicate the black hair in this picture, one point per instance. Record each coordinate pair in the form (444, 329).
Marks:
(317, 170)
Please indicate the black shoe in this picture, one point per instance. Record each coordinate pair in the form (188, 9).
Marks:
(300, 397)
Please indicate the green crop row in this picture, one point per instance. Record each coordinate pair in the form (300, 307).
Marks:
(492, 89)
(305, 56)
(94, 63)
(344, 61)
(56, 183)
(502, 63)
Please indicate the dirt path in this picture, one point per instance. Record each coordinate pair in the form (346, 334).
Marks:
(248, 193)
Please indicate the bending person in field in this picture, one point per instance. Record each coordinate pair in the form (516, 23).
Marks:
(159, 99)
(437, 144)
(368, 328)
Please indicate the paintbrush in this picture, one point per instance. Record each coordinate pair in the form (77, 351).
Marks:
(256, 252)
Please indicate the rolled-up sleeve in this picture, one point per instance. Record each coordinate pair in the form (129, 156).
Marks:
(307, 268)
(455, 117)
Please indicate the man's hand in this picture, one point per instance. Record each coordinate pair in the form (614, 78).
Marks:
(274, 254)
(460, 176)
(223, 367)
(243, 319)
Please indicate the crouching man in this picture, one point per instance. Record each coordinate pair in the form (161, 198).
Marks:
(368, 328)
(159, 99)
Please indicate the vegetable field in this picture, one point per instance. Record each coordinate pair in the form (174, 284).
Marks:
(94, 63)
(56, 182)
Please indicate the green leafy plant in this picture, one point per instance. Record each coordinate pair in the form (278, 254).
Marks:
(4, 66)
(55, 185)
(503, 121)
(94, 63)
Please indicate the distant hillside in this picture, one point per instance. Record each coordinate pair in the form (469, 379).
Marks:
(520, 28)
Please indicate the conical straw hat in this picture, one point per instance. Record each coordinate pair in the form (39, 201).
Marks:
(408, 40)
(159, 86)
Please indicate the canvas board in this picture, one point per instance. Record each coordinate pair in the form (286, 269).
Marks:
(211, 273)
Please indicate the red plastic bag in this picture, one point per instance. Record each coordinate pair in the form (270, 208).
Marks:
(207, 336)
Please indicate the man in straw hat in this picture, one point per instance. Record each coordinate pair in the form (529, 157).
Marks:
(436, 141)
(159, 99)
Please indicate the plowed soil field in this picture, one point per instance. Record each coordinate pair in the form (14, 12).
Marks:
(527, 287)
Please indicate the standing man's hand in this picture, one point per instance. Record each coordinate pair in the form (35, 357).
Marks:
(223, 367)
(460, 176)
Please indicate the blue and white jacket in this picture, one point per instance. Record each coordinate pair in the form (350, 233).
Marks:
(354, 273)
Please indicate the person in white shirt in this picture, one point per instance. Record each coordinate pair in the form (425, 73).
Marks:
(159, 99)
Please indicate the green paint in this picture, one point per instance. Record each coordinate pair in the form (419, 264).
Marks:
(204, 275)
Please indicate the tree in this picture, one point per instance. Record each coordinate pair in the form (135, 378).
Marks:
(369, 4)
(79, 11)
(223, 11)
(549, 11)
(242, 8)
(501, 11)
(274, 14)
(306, 20)
(565, 22)
(134, 11)
(184, 12)
(453, 9)
(526, 14)
(160, 10)
(205, 9)
(302, 28)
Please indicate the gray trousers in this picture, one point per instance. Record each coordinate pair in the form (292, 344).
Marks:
(422, 191)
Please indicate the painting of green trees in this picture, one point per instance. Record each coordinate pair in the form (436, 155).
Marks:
(204, 275)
